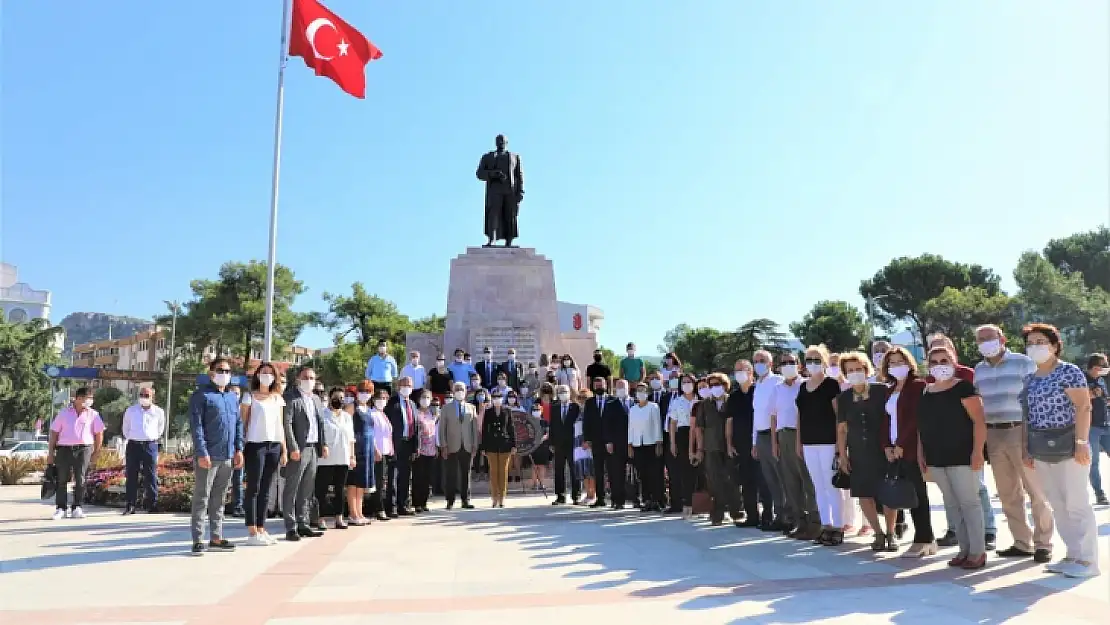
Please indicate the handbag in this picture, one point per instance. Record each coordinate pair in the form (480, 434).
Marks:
(840, 479)
(895, 490)
(49, 482)
(1051, 445)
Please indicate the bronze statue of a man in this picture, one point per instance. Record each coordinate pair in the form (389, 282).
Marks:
(500, 170)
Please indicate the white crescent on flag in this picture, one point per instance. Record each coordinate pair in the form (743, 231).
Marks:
(310, 35)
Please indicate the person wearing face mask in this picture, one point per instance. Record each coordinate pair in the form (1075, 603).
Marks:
(569, 376)
(338, 435)
(531, 381)
(415, 371)
(899, 436)
(439, 380)
(679, 420)
(502, 386)
(143, 426)
(746, 469)
(262, 409)
(999, 378)
(76, 436)
(1057, 444)
(672, 366)
(951, 435)
(710, 448)
(513, 370)
(1097, 370)
(860, 415)
(383, 453)
(633, 368)
(563, 423)
(878, 351)
(614, 435)
(303, 421)
(479, 398)
(488, 369)
(498, 446)
(460, 369)
(427, 426)
(801, 500)
(816, 404)
(458, 441)
(235, 508)
(645, 444)
(594, 412)
(833, 371)
(218, 450)
(362, 477)
(762, 447)
(598, 369)
(541, 456)
(381, 369)
(406, 441)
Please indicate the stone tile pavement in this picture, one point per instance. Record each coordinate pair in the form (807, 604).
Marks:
(526, 563)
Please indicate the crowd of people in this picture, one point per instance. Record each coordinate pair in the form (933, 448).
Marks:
(816, 445)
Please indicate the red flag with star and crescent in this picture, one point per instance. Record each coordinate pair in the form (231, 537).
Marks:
(331, 46)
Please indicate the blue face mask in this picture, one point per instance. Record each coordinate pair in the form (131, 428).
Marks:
(760, 369)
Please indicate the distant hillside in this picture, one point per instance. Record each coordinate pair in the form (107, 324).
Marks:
(84, 327)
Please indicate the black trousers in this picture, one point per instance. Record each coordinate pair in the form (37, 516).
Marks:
(647, 461)
(261, 462)
(753, 490)
(618, 485)
(668, 473)
(601, 462)
(142, 456)
(564, 464)
(402, 474)
(330, 476)
(726, 497)
(379, 497)
(437, 475)
(922, 519)
(683, 473)
(422, 480)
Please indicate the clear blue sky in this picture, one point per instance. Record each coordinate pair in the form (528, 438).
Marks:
(656, 138)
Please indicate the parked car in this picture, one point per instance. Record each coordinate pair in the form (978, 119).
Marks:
(32, 450)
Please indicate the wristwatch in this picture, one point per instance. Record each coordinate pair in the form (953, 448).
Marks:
(1080, 441)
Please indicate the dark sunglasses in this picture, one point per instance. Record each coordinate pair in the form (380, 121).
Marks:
(813, 361)
(789, 362)
(222, 370)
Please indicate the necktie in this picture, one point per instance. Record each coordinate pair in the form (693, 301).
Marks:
(564, 413)
(408, 415)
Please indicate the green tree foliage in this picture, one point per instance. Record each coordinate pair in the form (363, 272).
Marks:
(900, 290)
(707, 349)
(25, 390)
(363, 317)
(837, 324)
(957, 312)
(345, 365)
(111, 403)
(1086, 253)
(432, 324)
(1064, 300)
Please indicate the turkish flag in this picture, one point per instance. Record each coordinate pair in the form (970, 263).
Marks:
(330, 46)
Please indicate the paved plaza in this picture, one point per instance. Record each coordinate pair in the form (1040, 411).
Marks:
(527, 563)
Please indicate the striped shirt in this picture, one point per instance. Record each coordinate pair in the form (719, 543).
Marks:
(1000, 386)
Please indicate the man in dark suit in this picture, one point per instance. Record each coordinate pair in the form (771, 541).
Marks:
(304, 441)
(513, 370)
(406, 442)
(593, 416)
(487, 369)
(614, 429)
(741, 411)
(561, 435)
(501, 172)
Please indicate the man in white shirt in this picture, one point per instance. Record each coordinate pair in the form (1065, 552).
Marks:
(800, 503)
(143, 425)
(762, 436)
(415, 371)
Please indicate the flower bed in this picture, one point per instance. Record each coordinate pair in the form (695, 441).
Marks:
(106, 487)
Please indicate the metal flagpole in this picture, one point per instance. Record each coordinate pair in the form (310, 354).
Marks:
(271, 259)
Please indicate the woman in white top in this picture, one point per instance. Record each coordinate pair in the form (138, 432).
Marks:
(645, 447)
(672, 366)
(339, 437)
(568, 374)
(383, 448)
(264, 451)
(679, 419)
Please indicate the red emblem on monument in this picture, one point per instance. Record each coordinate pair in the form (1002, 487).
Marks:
(577, 321)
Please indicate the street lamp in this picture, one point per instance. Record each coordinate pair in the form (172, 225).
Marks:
(169, 375)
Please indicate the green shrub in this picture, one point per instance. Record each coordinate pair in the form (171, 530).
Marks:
(12, 470)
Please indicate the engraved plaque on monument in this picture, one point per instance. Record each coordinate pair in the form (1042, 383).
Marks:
(499, 338)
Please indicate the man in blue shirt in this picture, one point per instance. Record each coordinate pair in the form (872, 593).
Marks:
(217, 450)
(382, 368)
(461, 370)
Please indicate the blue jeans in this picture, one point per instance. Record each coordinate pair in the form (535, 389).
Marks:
(985, 501)
(1100, 441)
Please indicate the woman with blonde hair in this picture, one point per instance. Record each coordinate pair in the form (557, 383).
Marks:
(817, 434)
(861, 412)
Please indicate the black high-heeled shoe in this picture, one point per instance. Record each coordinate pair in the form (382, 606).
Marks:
(879, 544)
(836, 537)
(823, 538)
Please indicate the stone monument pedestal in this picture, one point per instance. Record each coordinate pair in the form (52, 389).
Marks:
(500, 298)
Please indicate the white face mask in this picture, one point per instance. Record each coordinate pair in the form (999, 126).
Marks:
(459, 395)
(742, 377)
(761, 368)
(1102, 373)
(673, 383)
(220, 379)
(404, 391)
(687, 388)
(1039, 353)
(511, 401)
(656, 385)
(789, 371)
(640, 397)
(512, 356)
(480, 398)
(717, 391)
(502, 383)
(942, 372)
(878, 359)
(537, 414)
(564, 396)
(703, 393)
(487, 356)
(415, 361)
(145, 402)
(363, 398)
(815, 368)
(900, 372)
(833, 371)
(381, 350)
(497, 401)
(622, 393)
(857, 378)
(265, 380)
(631, 353)
(306, 386)
(990, 349)
(379, 404)
(566, 363)
(458, 358)
(425, 402)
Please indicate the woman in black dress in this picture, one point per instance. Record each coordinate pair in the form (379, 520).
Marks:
(861, 412)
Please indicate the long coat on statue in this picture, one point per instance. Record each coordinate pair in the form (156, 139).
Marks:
(504, 192)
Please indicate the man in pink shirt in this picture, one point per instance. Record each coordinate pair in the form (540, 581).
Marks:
(75, 437)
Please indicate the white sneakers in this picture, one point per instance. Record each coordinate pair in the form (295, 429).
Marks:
(261, 540)
(59, 514)
(1070, 568)
(76, 513)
